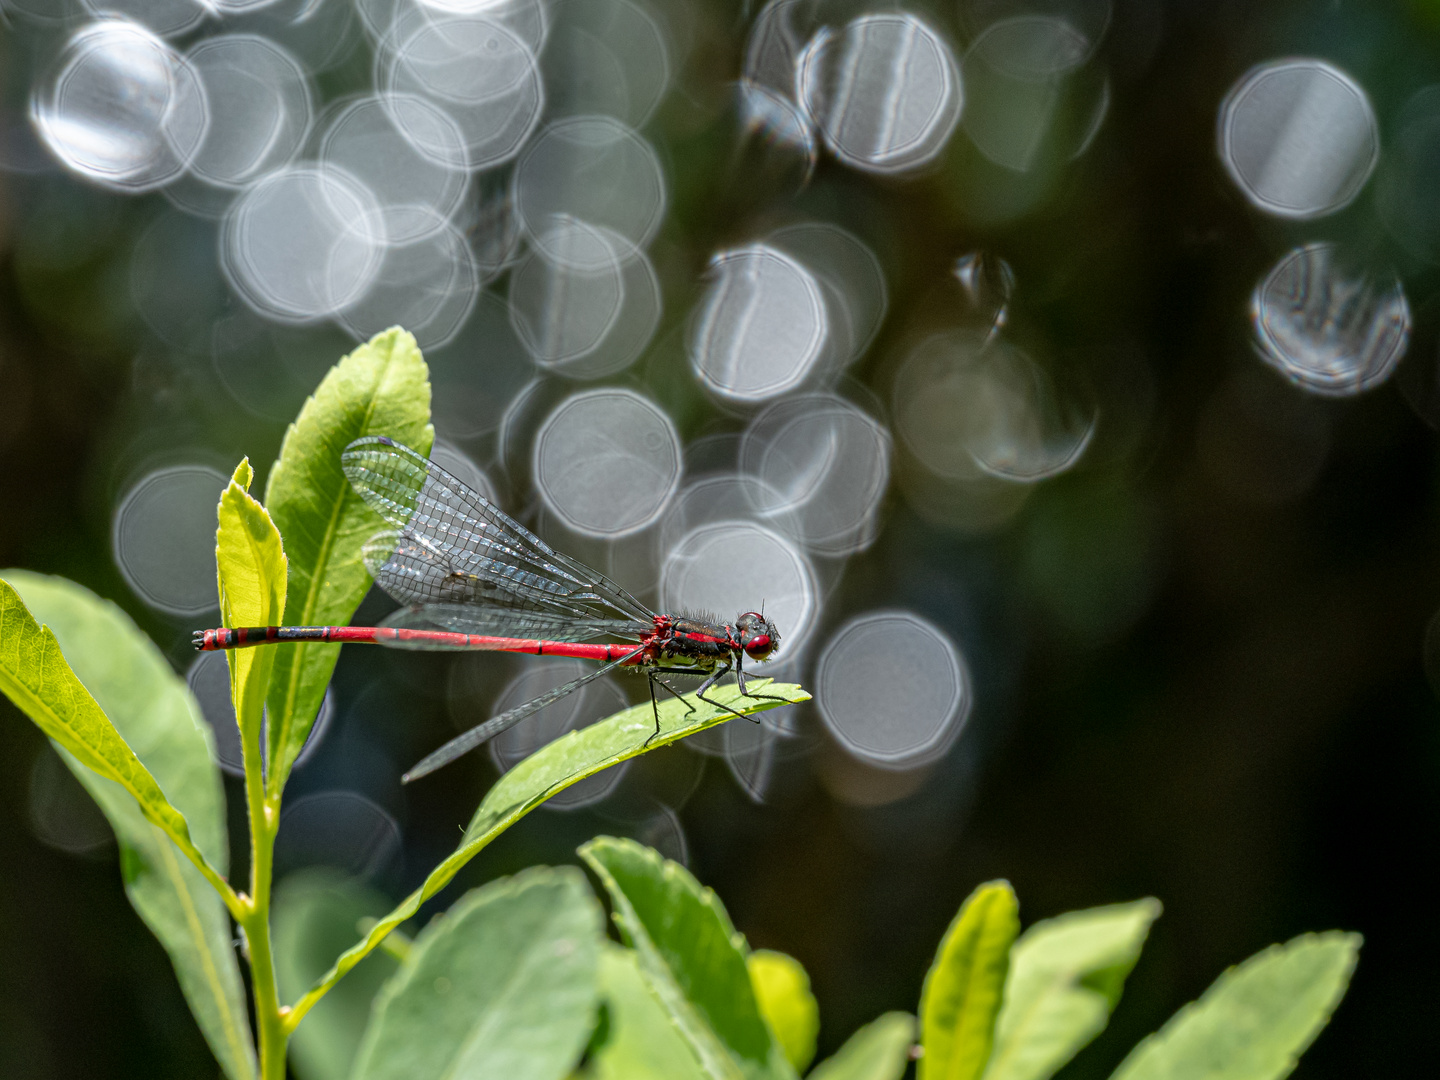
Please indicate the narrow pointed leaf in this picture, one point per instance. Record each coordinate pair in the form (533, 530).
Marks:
(550, 770)
(316, 914)
(782, 990)
(691, 957)
(1066, 975)
(636, 1040)
(36, 677)
(155, 713)
(1256, 1019)
(961, 996)
(250, 562)
(878, 1051)
(382, 388)
(503, 985)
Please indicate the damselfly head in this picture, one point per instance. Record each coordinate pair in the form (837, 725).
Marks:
(758, 636)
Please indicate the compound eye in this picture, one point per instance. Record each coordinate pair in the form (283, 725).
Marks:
(759, 646)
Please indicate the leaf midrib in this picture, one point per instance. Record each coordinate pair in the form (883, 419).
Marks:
(327, 542)
(192, 919)
(14, 688)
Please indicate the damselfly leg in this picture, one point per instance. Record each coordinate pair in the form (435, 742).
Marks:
(740, 678)
(655, 680)
(715, 676)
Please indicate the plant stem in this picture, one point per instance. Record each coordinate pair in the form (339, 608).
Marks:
(264, 815)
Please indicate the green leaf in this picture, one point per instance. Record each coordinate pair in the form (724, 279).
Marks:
(691, 957)
(1256, 1019)
(550, 770)
(782, 989)
(878, 1051)
(316, 914)
(504, 985)
(153, 711)
(639, 1042)
(961, 996)
(1066, 975)
(250, 563)
(382, 388)
(35, 676)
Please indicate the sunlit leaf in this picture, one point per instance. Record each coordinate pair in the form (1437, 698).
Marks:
(316, 914)
(1066, 975)
(691, 957)
(961, 997)
(1256, 1019)
(382, 388)
(502, 985)
(878, 1051)
(250, 562)
(636, 1040)
(782, 990)
(552, 769)
(154, 713)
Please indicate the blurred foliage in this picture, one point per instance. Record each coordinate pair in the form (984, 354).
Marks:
(782, 990)
(504, 985)
(962, 993)
(674, 1003)
(1065, 980)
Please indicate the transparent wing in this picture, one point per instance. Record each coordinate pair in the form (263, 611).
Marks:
(452, 546)
(414, 573)
(501, 622)
(463, 744)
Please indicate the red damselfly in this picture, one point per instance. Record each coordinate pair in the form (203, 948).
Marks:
(473, 579)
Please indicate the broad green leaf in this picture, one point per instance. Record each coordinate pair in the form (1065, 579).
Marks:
(691, 957)
(35, 676)
(382, 388)
(782, 990)
(961, 996)
(1256, 1019)
(250, 563)
(636, 1039)
(550, 770)
(152, 709)
(1066, 975)
(878, 1051)
(503, 985)
(316, 914)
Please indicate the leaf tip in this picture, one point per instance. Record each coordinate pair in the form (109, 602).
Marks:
(243, 475)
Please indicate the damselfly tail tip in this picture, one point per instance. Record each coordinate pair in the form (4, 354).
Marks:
(199, 640)
(424, 767)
